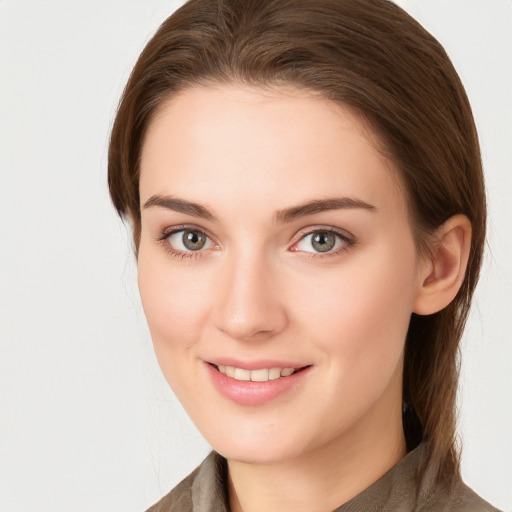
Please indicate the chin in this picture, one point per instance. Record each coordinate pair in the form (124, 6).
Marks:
(258, 455)
(258, 449)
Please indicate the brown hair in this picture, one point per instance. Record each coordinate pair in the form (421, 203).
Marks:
(375, 58)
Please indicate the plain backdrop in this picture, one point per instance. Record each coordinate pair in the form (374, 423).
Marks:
(87, 423)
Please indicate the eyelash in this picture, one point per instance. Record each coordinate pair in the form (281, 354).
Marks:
(347, 240)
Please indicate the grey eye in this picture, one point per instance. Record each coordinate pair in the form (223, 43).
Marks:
(323, 241)
(194, 240)
(187, 240)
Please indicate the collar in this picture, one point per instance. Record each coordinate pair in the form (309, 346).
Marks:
(409, 481)
(409, 486)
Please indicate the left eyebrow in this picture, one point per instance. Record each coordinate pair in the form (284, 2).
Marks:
(180, 205)
(319, 206)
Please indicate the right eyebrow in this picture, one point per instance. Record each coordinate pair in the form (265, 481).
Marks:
(321, 205)
(181, 206)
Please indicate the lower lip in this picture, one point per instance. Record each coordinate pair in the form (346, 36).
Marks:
(255, 393)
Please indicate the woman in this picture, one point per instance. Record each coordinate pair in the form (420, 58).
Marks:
(305, 189)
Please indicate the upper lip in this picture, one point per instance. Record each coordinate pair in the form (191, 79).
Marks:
(255, 364)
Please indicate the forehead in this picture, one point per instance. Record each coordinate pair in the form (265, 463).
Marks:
(225, 141)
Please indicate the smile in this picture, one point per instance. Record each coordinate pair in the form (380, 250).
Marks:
(256, 386)
(260, 375)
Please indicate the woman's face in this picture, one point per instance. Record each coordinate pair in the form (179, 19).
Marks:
(275, 238)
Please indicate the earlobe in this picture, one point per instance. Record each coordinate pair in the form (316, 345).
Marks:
(445, 271)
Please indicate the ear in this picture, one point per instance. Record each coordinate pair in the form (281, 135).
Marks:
(444, 272)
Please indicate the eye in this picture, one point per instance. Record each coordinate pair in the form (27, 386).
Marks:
(321, 241)
(188, 240)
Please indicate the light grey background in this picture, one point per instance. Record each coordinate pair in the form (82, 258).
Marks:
(86, 421)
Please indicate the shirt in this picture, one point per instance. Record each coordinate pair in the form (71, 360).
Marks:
(409, 486)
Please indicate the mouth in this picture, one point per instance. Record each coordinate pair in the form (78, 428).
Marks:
(259, 385)
(259, 375)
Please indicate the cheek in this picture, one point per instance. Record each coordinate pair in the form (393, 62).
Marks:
(174, 302)
(361, 312)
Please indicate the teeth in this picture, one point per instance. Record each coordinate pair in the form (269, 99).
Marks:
(261, 375)
(241, 374)
(274, 373)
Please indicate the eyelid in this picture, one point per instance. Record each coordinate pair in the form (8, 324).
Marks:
(183, 227)
(343, 233)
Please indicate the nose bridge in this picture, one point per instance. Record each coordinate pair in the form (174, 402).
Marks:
(249, 302)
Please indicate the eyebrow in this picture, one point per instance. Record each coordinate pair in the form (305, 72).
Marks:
(319, 206)
(282, 216)
(181, 206)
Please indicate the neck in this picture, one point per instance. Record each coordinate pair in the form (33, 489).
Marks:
(324, 478)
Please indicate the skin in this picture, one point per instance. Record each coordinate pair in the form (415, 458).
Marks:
(259, 289)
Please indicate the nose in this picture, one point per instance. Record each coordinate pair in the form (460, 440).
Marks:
(248, 305)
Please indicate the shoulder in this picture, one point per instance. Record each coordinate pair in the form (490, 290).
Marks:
(179, 499)
(414, 485)
(448, 494)
(201, 491)
(464, 499)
